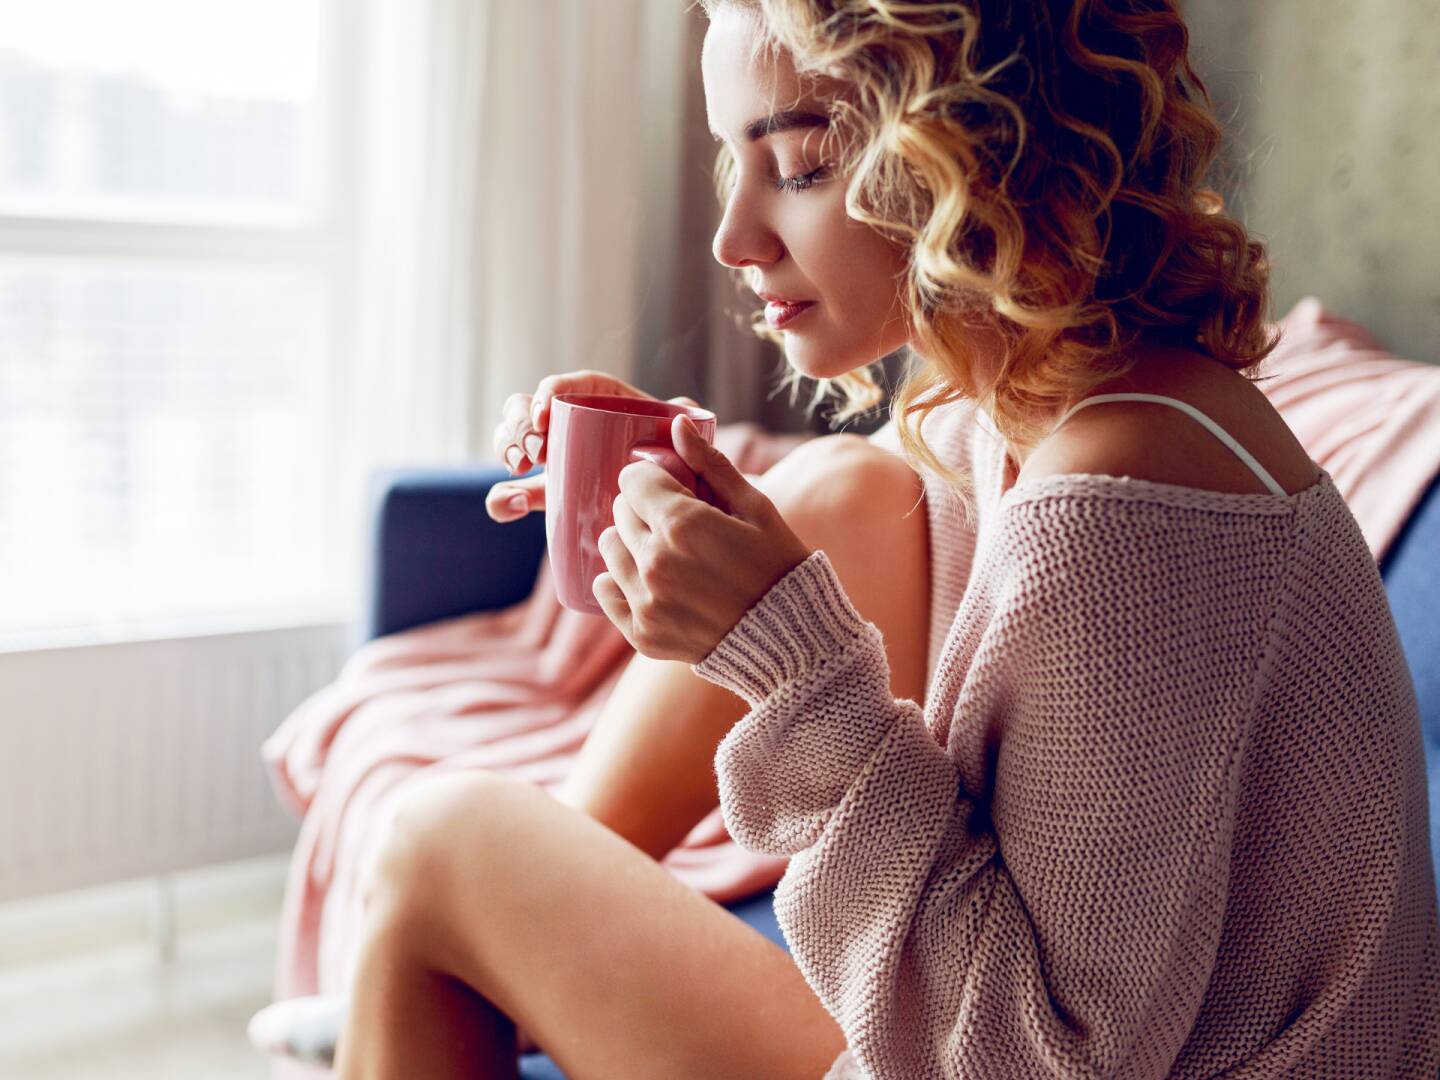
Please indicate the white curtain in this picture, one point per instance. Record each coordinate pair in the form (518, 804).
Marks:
(515, 207)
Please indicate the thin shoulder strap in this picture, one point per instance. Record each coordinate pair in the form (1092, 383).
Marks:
(1215, 429)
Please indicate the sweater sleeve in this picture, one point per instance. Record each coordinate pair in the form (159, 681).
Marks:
(1057, 913)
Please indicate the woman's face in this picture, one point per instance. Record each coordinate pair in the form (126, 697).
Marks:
(785, 222)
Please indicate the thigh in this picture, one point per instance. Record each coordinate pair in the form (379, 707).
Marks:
(613, 966)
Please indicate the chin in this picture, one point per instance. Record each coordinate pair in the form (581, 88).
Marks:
(815, 360)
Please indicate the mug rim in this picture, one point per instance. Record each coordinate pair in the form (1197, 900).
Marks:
(695, 412)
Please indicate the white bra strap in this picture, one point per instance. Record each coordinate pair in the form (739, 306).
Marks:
(1215, 429)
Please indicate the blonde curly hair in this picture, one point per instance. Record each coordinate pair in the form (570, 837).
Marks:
(1043, 161)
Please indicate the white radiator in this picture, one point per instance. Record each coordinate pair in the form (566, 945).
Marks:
(122, 760)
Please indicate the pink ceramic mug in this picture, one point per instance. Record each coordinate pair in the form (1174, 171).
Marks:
(592, 437)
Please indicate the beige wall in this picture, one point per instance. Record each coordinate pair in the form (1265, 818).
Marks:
(1334, 117)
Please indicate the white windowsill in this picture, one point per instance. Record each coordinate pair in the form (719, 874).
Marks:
(129, 631)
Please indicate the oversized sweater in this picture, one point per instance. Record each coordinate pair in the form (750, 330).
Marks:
(1163, 813)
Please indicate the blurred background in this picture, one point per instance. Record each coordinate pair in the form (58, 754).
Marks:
(252, 252)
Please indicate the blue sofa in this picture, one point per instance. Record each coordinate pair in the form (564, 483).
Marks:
(437, 554)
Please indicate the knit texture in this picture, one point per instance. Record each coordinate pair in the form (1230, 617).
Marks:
(1163, 813)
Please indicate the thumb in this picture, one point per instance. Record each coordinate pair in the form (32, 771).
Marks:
(733, 493)
(531, 490)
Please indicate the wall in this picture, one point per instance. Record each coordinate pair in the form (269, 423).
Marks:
(1333, 108)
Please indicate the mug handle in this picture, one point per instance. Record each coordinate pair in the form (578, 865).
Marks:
(671, 462)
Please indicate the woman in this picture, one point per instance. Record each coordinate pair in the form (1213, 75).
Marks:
(1163, 810)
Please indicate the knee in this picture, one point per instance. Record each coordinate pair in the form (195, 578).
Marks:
(824, 486)
(434, 822)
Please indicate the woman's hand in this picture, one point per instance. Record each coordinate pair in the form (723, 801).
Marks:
(519, 438)
(681, 573)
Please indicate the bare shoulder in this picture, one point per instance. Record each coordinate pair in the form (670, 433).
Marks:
(1158, 442)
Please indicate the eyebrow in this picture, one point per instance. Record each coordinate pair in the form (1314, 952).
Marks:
(781, 121)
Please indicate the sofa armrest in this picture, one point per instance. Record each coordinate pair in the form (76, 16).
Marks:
(436, 554)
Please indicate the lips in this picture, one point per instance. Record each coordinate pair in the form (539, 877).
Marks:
(780, 310)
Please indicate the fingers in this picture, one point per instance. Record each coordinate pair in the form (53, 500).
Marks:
(539, 405)
(611, 598)
(515, 441)
(617, 545)
(618, 559)
(531, 490)
(616, 584)
(733, 493)
(633, 530)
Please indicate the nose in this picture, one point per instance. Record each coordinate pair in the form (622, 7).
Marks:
(744, 238)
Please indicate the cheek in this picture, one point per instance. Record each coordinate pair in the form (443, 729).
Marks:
(856, 274)
(845, 254)
(863, 277)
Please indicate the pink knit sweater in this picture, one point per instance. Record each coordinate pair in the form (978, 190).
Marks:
(1162, 815)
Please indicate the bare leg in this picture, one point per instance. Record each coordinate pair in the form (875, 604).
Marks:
(492, 900)
(409, 1018)
(647, 769)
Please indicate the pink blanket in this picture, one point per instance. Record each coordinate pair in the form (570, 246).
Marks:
(1368, 417)
(518, 690)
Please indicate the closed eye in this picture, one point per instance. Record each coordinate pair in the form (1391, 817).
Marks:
(799, 183)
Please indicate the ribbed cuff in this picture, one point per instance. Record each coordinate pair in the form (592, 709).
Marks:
(803, 620)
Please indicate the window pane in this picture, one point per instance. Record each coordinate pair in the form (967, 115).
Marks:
(161, 109)
(162, 443)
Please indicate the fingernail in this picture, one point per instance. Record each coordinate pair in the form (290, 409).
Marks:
(514, 465)
(517, 502)
(533, 442)
(535, 412)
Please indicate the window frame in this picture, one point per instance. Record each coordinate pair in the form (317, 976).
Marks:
(326, 244)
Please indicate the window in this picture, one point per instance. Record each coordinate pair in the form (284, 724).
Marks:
(172, 261)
